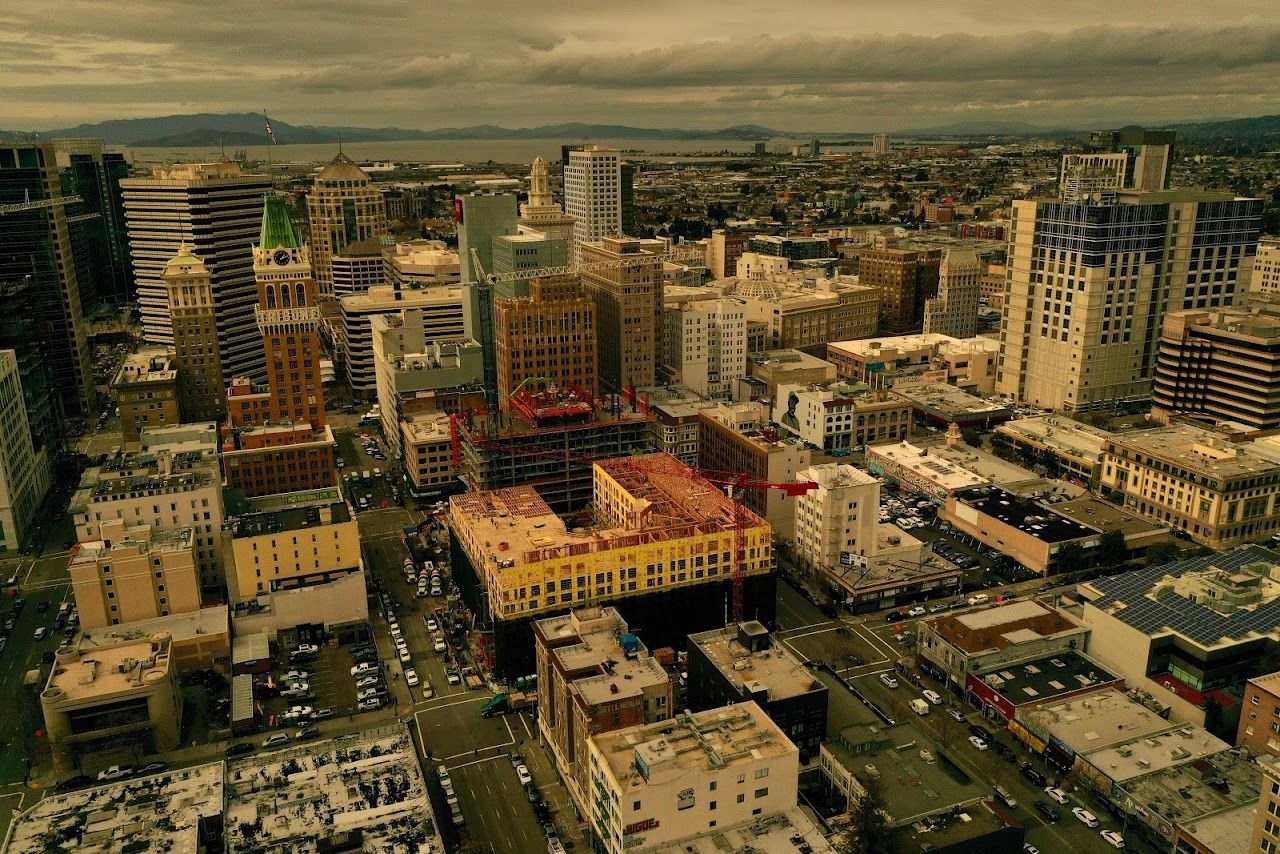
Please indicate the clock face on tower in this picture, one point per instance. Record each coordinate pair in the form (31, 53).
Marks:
(282, 257)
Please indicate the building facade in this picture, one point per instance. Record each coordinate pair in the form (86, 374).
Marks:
(954, 311)
(134, 573)
(905, 279)
(704, 345)
(1089, 285)
(441, 308)
(343, 208)
(480, 218)
(546, 339)
(214, 209)
(1259, 728)
(146, 389)
(1265, 278)
(541, 214)
(841, 416)
(836, 523)
(25, 472)
(202, 388)
(593, 195)
(628, 304)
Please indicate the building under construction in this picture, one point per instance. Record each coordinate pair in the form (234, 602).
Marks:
(549, 440)
(658, 545)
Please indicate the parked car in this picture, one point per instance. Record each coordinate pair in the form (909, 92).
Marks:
(932, 696)
(411, 677)
(306, 648)
(307, 733)
(368, 681)
(151, 768)
(369, 705)
(1086, 818)
(1112, 838)
(439, 645)
(432, 625)
(888, 680)
(297, 689)
(1057, 794)
(522, 772)
(1049, 813)
(76, 782)
(453, 678)
(981, 732)
(956, 714)
(977, 742)
(115, 772)
(42, 633)
(978, 599)
(1031, 773)
(239, 749)
(365, 667)
(276, 739)
(322, 714)
(367, 693)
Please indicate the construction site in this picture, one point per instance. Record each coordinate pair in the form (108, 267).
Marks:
(658, 541)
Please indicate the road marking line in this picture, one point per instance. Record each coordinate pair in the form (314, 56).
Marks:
(452, 768)
(810, 626)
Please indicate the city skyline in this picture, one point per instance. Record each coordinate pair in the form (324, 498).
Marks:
(839, 66)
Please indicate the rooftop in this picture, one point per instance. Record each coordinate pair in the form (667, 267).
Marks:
(941, 831)
(156, 813)
(368, 783)
(1029, 517)
(666, 501)
(606, 663)
(1144, 754)
(1196, 449)
(992, 469)
(342, 168)
(791, 831)
(772, 669)
(148, 365)
(1001, 626)
(141, 538)
(291, 511)
(1212, 600)
(1047, 677)
(205, 622)
(691, 743)
(947, 475)
(426, 427)
(1059, 433)
(950, 402)
(108, 670)
(891, 346)
(1105, 516)
(786, 360)
(1231, 830)
(1270, 683)
(1184, 793)
(1093, 721)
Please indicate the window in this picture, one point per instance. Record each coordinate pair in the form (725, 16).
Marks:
(762, 793)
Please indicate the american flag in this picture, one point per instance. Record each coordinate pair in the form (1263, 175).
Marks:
(271, 135)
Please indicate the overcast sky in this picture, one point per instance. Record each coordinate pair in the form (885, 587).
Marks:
(812, 64)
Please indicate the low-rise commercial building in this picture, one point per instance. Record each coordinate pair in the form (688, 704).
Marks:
(840, 416)
(661, 552)
(133, 573)
(1063, 446)
(199, 640)
(953, 646)
(421, 264)
(967, 363)
(1217, 492)
(146, 390)
(1067, 729)
(657, 783)
(594, 676)
(788, 367)
(942, 405)
(1186, 793)
(125, 695)
(427, 453)
(1024, 529)
(1005, 692)
(742, 663)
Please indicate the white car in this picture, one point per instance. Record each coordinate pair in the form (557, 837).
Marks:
(367, 693)
(977, 742)
(300, 712)
(432, 625)
(978, 599)
(411, 676)
(934, 698)
(889, 681)
(1057, 794)
(405, 658)
(1112, 838)
(367, 681)
(453, 678)
(439, 646)
(277, 739)
(295, 676)
(305, 648)
(115, 772)
(365, 667)
(1087, 818)
(523, 773)
(917, 611)
(297, 689)
(1028, 848)
(41, 633)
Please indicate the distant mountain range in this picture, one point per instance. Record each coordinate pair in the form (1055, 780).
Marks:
(240, 129)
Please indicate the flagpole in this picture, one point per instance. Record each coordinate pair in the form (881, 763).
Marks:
(270, 139)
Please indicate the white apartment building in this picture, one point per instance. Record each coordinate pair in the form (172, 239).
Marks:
(837, 415)
(593, 194)
(756, 265)
(25, 475)
(441, 310)
(698, 773)
(836, 522)
(954, 311)
(704, 345)
(167, 485)
(216, 211)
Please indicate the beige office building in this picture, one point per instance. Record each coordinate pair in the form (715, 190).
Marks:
(427, 452)
(954, 311)
(1266, 267)
(1219, 493)
(807, 313)
(441, 308)
(836, 523)
(1089, 285)
(344, 208)
(146, 390)
(134, 573)
(593, 196)
(628, 301)
(546, 339)
(202, 388)
(704, 345)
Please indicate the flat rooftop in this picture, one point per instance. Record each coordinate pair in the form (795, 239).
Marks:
(1060, 433)
(1269, 683)
(426, 428)
(1154, 752)
(605, 671)
(205, 622)
(1198, 788)
(974, 821)
(514, 525)
(98, 671)
(157, 813)
(1047, 677)
(1093, 721)
(292, 511)
(950, 402)
(1001, 626)
(692, 743)
(1105, 516)
(1195, 449)
(790, 831)
(786, 360)
(1157, 600)
(890, 346)
(1029, 517)
(987, 466)
(150, 365)
(144, 538)
(1231, 830)
(919, 461)
(368, 782)
(774, 669)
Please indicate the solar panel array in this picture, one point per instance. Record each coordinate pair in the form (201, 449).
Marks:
(1198, 622)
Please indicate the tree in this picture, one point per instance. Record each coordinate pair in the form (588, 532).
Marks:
(868, 831)
(1112, 550)
(1161, 553)
(1070, 557)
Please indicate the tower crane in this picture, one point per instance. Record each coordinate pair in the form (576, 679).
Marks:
(27, 205)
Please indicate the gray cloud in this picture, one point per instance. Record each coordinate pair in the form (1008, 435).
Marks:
(829, 64)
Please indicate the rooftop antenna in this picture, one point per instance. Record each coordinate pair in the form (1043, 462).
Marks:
(339, 144)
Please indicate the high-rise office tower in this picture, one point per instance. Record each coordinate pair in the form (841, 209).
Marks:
(344, 208)
(905, 278)
(1266, 267)
(25, 473)
(593, 194)
(1090, 284)
(627, 196)
(541, 213)
(23, 332)
(276, 439)
(202, 389)
(880, 144)
(480, 218)
(214, 209)
(35, 248)
(549, 334)
(98, 223)
(954, 311)
(628, 301)
(1148, 154)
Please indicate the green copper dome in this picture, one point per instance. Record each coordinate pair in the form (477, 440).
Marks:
(277, 230)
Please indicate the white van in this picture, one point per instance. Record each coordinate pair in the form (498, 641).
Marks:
(920, 707)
